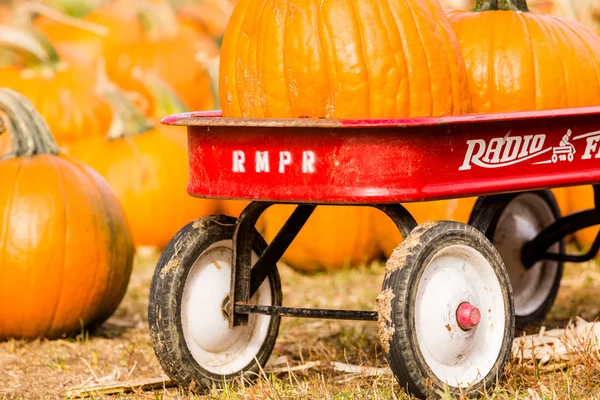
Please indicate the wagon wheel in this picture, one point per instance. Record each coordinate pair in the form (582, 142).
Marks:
(445, 312)
(189, 330)
(521, 219)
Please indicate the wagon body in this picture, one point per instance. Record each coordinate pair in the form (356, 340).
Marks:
(388, 161)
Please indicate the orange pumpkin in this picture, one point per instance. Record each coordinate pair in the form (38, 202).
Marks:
(538, 62)
(234, 208)
(517, 60)
(157, 44)
(147, 167)
(62, 93)
(582, 198)
(67, 252)
(388, 234)
(334, 237)
(76, 41)
(341, 59)
(206, 16)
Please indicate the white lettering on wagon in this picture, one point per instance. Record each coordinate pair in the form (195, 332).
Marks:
(285, 159)
(503, 151)
(591, 144)
(509, 150)
(238, 161)
(262, 161)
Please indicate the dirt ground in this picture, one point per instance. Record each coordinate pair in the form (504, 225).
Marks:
(313, 359)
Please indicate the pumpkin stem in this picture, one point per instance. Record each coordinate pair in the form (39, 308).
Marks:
(128, 120)
(36, 47)
(74, 8)
(29, 132)
(28, 11)
(158, 19)
(166, 100)
(501, 5)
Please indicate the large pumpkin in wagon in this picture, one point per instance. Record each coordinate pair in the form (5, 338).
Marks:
(517, 60)
(339, 59)
(67, 252)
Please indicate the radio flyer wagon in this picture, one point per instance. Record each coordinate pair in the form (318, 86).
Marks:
(452, 292)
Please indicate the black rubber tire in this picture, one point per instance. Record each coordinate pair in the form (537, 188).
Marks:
(164, 308)
(397, 325)
(536, 317)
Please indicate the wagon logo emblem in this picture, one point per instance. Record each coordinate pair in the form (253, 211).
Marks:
(564, 152)
(503, 151)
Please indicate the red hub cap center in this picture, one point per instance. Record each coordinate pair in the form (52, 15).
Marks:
(468, 316)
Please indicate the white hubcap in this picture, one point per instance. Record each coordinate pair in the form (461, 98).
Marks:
(457, 275)
(214, 346)
(524, 217)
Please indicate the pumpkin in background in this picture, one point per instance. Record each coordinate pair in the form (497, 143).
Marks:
(582, 198)
(234, 208)
(146, 36)
(77, 42)
(328, 59)
(333, 238)
(209, 17)
(147, 167)
(67, 252)
(62, 93)
(388, 234)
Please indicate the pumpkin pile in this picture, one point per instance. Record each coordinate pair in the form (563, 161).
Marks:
(102, 74)
(89, 174)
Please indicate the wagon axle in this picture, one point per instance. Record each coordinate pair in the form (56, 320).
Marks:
(468, 316)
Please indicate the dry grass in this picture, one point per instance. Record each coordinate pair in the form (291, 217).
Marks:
(121, 349)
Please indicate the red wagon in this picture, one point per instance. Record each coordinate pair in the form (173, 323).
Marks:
(452, 292)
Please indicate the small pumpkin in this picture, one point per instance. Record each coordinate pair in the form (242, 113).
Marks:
(67, 252)
(62, 93)
(341, 59)
(147, 167)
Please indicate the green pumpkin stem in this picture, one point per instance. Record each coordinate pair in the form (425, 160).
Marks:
(128, 120)
(34, 46)
(25, 14)
(167, 101)
(29, 132)
(157, 19)
(501, 5)
(74, 8)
